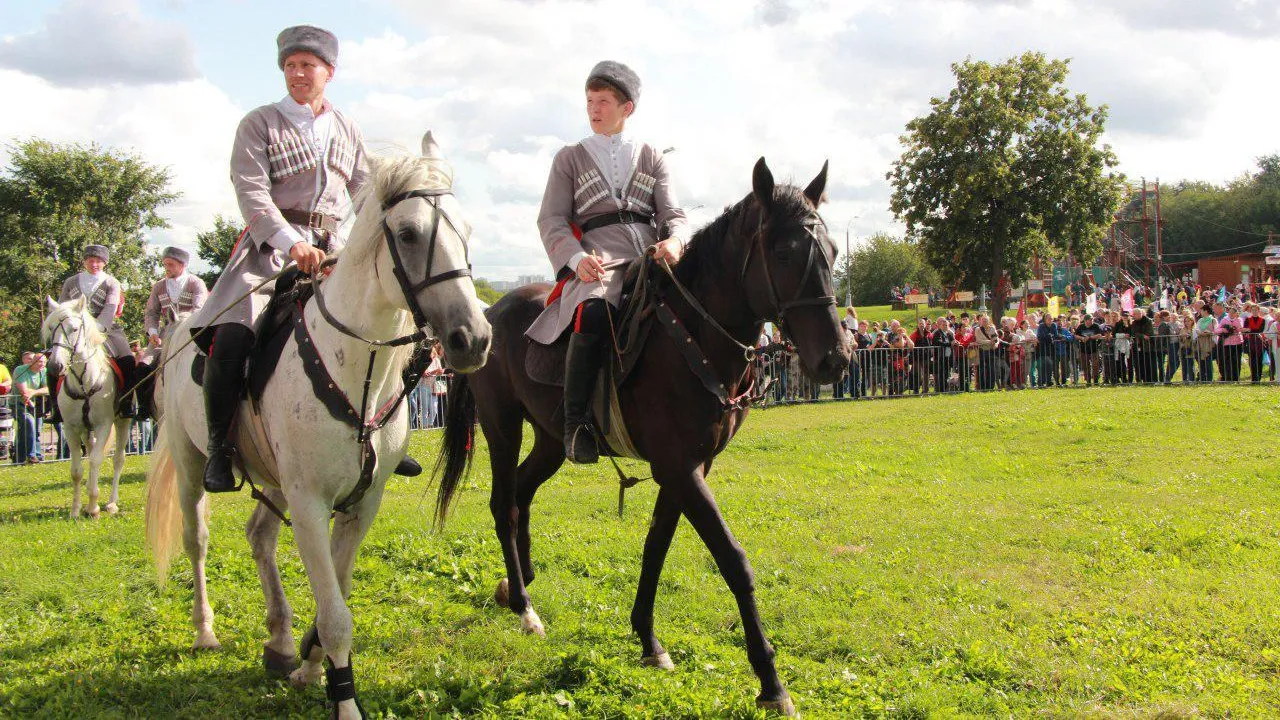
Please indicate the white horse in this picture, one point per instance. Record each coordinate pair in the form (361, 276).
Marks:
(87, 401)
(405, 266)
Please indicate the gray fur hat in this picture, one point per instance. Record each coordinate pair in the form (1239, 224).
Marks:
(176, 253)
(306, 38)
(98, 251)
(618, 75)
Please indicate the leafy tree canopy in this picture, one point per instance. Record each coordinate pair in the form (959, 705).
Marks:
(1202, 219)
(214, 246)
(880, 265)
(54, 200)
(1007, 166)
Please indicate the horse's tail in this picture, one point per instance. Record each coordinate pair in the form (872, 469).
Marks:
(164, 515)
(458, 445)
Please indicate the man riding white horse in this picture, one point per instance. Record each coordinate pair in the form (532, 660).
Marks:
(295, 166)
(616, 192)
(173, 297)
(105, 300)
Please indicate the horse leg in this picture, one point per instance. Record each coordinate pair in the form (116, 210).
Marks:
(263, 532)
(117, 465)
(195, 538)
(333, 623)
(349, 530)
(77, 471)
(509, 502)
(97, 454)
(699, 506)
(666, 516)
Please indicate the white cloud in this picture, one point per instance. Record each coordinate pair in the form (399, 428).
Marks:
(797, 81)
(186, 127)
(85, 43)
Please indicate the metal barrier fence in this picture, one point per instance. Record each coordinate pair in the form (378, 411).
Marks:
(27, 436)
(897, 369)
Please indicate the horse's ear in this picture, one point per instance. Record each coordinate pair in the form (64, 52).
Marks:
(429, 147)
(762, 183)
(53, 304)
(817, 188)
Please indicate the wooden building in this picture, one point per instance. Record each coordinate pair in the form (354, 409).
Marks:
(1230, 270)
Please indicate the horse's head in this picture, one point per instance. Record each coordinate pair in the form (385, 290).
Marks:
(788, 272)
(70, 333)
(426, 270)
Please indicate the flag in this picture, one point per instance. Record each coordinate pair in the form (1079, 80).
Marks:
(1222, 294)
(1022, 309)
(1091, 303)
(1126, 300)
(1053, 307)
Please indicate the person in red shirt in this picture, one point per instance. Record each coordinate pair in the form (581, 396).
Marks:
(1254, 344)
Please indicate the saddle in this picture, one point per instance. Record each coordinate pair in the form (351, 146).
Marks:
(545, 364)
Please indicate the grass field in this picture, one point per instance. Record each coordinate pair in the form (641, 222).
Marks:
(1102, 552)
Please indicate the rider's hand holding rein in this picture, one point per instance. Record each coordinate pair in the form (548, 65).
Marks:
(307, 256)
(590, 269)
(670, 250)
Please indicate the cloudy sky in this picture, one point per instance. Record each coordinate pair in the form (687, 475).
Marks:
(1190, 83)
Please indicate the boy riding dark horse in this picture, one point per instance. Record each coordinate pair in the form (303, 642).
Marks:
(605, 199)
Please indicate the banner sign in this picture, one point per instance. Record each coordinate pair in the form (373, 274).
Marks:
(917, 299)
(964, 296)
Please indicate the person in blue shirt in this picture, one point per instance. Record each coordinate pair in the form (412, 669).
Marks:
(1062, 349)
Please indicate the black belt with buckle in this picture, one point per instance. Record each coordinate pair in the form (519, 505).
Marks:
(622, 217)
(315, 220)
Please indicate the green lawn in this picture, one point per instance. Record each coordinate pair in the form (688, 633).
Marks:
(1103, 552)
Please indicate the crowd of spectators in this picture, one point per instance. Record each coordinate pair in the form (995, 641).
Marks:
(1183, 333)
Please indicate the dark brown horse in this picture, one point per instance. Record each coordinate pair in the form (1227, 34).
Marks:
(768, 257)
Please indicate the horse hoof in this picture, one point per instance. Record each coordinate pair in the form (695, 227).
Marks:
(307, 674)
(206, 642)
(500, 593)
(93, 512)
(112, 509)
(277, 664)
(782, 706)
(531, 624)
(662, 661)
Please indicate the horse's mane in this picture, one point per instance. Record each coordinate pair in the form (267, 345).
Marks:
(93, 334)
(388, 177)
(703, 259)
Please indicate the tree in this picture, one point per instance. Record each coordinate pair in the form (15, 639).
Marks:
(1202, 219)
(54, 200)
(1006, 167)
(883, 263)
(486, 292)
(215, 246)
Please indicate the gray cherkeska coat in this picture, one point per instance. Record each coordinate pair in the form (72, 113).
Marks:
(577, 191)
(274, 167)
(102, 305)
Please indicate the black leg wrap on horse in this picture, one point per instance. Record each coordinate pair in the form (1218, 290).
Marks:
(582, 364)
(223, 387)
(277, 664)
(340, 683)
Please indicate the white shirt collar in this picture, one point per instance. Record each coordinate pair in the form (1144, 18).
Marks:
(90, 282)
(301, 113)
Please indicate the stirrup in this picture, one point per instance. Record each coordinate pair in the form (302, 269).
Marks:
(224, 454)
(579, 449)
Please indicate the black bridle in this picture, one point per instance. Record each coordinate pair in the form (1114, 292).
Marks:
(407, 286)
(779, 309)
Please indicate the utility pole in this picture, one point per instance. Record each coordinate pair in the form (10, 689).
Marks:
(848, 267)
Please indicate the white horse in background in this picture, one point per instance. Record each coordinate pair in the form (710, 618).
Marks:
(87, 401)
(407, 258)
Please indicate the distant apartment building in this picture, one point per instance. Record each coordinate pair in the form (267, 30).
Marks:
(521, 281)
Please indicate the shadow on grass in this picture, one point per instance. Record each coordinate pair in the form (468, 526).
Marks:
(37, 514)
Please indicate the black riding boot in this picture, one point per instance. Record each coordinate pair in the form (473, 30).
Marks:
(580, 370)
(223, 388)
(128, 370)
(55, 413)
